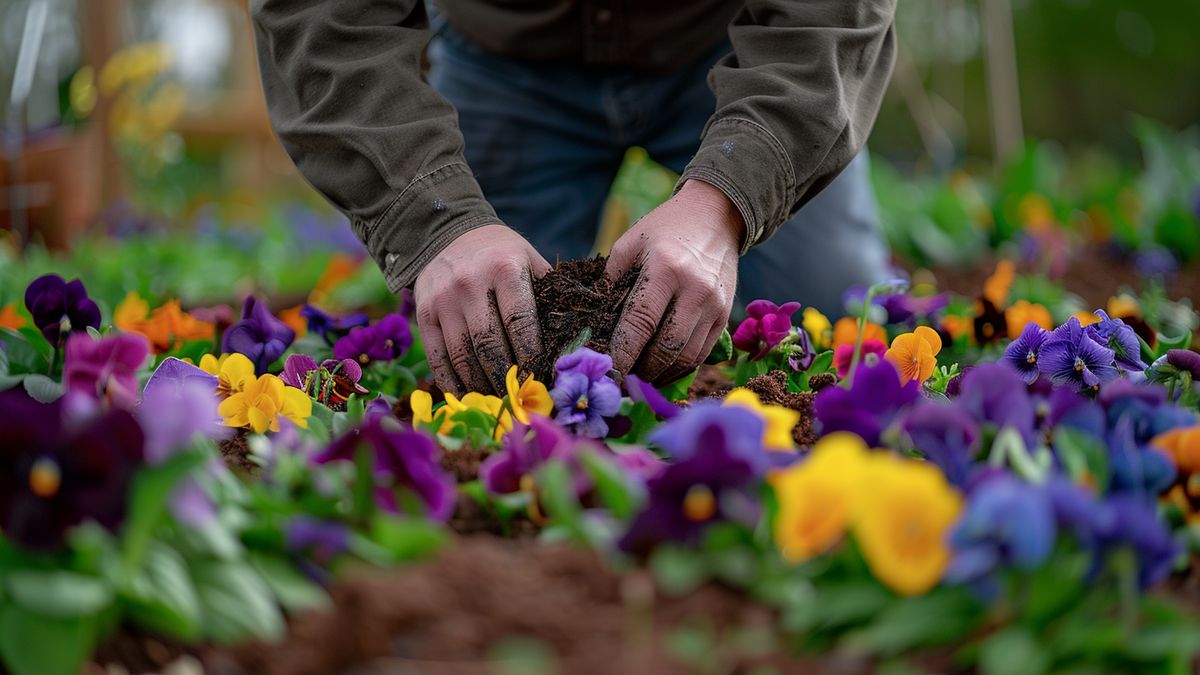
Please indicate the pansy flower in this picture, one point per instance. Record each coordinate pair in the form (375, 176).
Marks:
(915, 354)
(1022, 313)
(843, 356)
(330, 326)
(765, 326)
(818, 496)
(10, 319)
(818, 327)
(259, 335)
(1120, 338)
(845, 332)
(105, 369)
(263, 402)
(641, 391)
(528, 447)
(1070, 357)
(778, 421)
(1022, 353)
(990, 323)
(232, 372)
(584, 394)
(869, 406)
(527, 397)
(59, 307)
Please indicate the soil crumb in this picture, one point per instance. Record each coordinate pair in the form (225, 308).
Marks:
(772, 388)
(710, 381)
(572, 296)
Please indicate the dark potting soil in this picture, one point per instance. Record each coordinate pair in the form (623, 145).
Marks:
(236, 453)
(572, 296)
(710, 381)
(772, 388)
(455, 613)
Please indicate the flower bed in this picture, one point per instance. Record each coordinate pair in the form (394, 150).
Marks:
(1002, 484)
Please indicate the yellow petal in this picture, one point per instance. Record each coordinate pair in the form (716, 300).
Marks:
(510, 383)
(297, 406)
(422, 406)
(237, 370)
(259, 420)
(209, 364)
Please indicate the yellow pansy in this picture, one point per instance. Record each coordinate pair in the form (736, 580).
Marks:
(905, 513)
(526, 397)
(262, 402)
(819, 496)
(492, 405)
(422, 406)
(818, 327)
(778, 421)
(233, 371)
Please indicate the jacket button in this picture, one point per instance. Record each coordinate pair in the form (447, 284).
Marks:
(391, 258)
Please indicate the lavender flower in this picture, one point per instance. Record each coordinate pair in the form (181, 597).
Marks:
(765, 326)
(105, 369)
(59, 307)
(945, 435)
(1022, 354)
(322, 540)
(584, 394)
(259, 335)
(644, 392)
(1070, 357)
(869, 406)
(993, 394)
(1120, 338)
(738, 430)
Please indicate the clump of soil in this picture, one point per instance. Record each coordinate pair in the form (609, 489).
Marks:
(236, 453)
(772, 388)
(710, 382)
(450, 614)
(572, 296)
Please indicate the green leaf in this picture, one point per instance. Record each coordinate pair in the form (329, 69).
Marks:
(615, 492)
(851, 602)
(36, 644)
(3, 362)
(1013, 651)
(557, 493)
(161, 597)
(23, 356)
(678, 390)
(295, 592)
(939, 617)
(579, 341)
(95, 334)
(1178, 342)
(1083, 456)
(236, 603)
(42, 389)
(149, 496)
(722, 351)
(406, 538)
(58, 593)
(677, 570)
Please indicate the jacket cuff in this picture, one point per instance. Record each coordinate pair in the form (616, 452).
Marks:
(744, 160)
(434, 210)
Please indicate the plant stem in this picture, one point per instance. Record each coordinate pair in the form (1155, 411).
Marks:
(858, 341)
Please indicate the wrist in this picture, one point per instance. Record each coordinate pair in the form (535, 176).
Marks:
(712, 200)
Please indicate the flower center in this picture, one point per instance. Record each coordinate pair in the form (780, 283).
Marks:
(45, 478)
(364, 359)
(699, 504)
(64, 324)
(1031, 357)
(582, 403)
(1079, 365)
(388, 343)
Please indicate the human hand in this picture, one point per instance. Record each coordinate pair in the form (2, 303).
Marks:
(688, 251)
(476, 311)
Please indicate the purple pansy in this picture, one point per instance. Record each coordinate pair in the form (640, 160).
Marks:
(801, 353)
(105, 369)
(329, 326)
(904, 307)
(395, 334)
(1070, 357)
(738, 430)
(584, 394)
(173, 375)
(401, 459)
(384, 340)
(765, 326)
(1022, 354)
(524, 449)
(995, 395)
(1120, 338)
(945, 435)
(59, 468)
(1131, 522)
(322, 540)
(1185, 360)
(59, 307)
(171, 414)
(296, 369)
(259, 335)
(641, 391)
(869, 406)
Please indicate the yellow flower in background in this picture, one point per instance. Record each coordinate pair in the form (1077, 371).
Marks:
(1036, 212)
(915, 354)
(1022, 313)
(819, 328)
(997, 286)
(263, 402)
(819, 496)
(845, 332)
(233, 371)
(778, 421)
(526, 397)
(9, 317)
(907, 509)
(1123, 306)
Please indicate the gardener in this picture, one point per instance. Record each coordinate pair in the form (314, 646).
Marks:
(549, 94)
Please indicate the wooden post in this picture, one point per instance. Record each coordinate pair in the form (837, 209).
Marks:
(1004, 94)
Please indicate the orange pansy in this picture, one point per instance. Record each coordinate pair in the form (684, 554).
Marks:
(845, 332)
(9, 317)
(915, 354)
(996, 288)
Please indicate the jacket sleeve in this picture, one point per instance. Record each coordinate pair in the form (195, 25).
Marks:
(344, 90)
(795, 103)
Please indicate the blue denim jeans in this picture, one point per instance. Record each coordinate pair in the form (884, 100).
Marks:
(546, 139)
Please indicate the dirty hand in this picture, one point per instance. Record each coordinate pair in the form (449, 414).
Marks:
(476, 311)
(688, 252)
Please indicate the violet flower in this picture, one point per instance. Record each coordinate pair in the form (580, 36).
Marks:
(1070, 357)
(801, 354)
(869, 406)
(259, 335)
(765, 326)
(738, 430)
(362, 345)
(1185, 360)
(945, 435)
(714, 483)
(524, 449)
(173, 376)
(1120, 338)
(58, 469)
(995, 395)
(395, 334)
(1136, 468)
(584, 394)
(401, 459)
(641, 391)
(1133, 523)
(903, 307)
(329, 326)
(296, 369)
(172, 414)
(105, 369)
(59, 307)
(1022, 354)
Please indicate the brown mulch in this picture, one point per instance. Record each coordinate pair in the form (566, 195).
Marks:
(236, 453)
(772, 389)
(573, 295)
(711, 381)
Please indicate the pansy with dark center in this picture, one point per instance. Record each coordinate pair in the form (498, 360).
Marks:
(765, 326)
(1022, 354)
(329, 326)
(105, 369)
(259, 335)
(59, 308)
(384, 340)
(994, 395)
(869, 406)
(1071, 358)
(1120, 338)
(584, 394)
(990, 323)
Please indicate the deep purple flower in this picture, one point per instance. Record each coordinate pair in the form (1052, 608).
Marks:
(871, 404)
(378, 406)
(105, 369)
(995, 395)
(1067, 408)
(259, 335)
(644, 392)
(712, 484)
(362, 345)
(59, 307)
(1133, 523)
(1022, 354)
(584, 394)
(401, 459)
(904, 307)
(322, 540)
(1185, 360)
(296, 369)
(738, 430)
(945, 435)
(331, 327)
(801, 353)
(524, 449)
(58, 468)
(765, 326)
(1070, 357)
(396, 335)
(1007, 523)
(1120, 338)
(990, 323)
